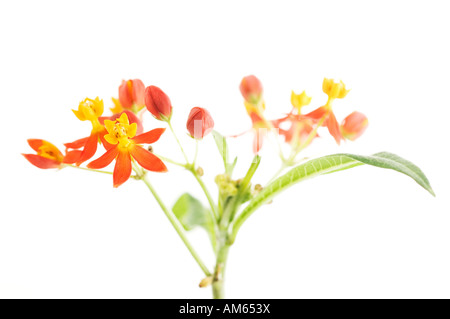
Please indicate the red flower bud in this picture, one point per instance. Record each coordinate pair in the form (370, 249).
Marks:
(131, 92)
(199, 123)
(251, 89)
(354, 125)
(158, 103)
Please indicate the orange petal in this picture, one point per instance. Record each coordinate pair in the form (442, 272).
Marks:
(105, 159)
(35, 143)
(318, 113)
(77, 144)
(122, 170)
(72, 157)
(89, 148)
(149, 137)
(147, 160)
(333, 128)
(41, 162)
(258, 140)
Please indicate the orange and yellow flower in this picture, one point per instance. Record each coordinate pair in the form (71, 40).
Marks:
(88, 110)
(126, 149)
(48, 155)
(334, 90)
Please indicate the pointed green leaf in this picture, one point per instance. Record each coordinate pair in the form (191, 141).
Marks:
(330, 164)
(222, 145)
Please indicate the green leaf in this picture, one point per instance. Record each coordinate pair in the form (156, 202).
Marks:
(330, 164)
(190, 212)
(222, 145)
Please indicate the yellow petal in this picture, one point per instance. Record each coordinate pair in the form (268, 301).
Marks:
(109, 125)
(111, 139)
(131, 130)
(79, 115)
(117, 106)
(123, 119)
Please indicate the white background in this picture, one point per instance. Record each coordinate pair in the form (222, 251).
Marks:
(362, 233)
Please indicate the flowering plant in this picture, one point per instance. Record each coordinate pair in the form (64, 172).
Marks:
(121, 137)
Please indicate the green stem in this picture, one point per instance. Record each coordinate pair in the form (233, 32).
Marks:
(178, 141)
(214, 213)
(171, 161)
(94, 170)
(219, 272)
(178, 227)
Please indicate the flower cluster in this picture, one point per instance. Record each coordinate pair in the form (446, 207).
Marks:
(299, 129)
(121, 135)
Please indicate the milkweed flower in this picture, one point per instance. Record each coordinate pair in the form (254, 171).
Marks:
(131, 117)
(301, 126)
(199, 123)
(126, 149)
(334, 90)
(158, 103)
(131, 94)
(88, 110)
(48, 155)
(354, 125)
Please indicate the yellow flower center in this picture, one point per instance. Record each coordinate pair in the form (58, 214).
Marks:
(90, 110)
(50, 151)
(120, 131)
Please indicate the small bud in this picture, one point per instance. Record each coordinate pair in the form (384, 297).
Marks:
(258, 187)
(251, 89)
(206, 282)
(199, 123)
(150, 148)
(221, 178)
(354, 125)
(131, 93)
(200, 171)
(158, 103)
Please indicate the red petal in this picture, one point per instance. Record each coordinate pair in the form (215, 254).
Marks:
(89, 149)
(147, 160)
(122, 170)
(333, 128)
(41, 162)
(258, 140)
(318, 113)
(77, 144)
(125, 97)
(35, 143)
(138, 92)
(105, 159)
(149, 137)
(72, 157)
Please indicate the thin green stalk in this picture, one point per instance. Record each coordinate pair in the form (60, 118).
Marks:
(219, 272)
(232, 207)
(215, 215)
(191, 168)
(171, 161)
(177, 225)
(178, 141)
(93, 170)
